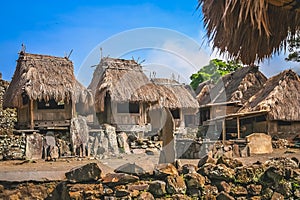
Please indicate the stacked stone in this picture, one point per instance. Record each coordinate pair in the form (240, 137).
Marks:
(223, 178)
(8, 116)
(103, 142)
(12, 147)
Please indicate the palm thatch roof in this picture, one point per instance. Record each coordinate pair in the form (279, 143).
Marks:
(203, 89)
(279, 96)
(174, 95)
(44, 77)
(250, 30)
(237, 86)
(123, 80)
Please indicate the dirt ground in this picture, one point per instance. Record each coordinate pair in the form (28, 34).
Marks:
(41, 170)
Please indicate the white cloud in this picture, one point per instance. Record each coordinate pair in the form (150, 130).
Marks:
(181, 58)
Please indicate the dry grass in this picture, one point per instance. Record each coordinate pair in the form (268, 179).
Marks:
(124, 81)
(236, 86)
(280, 96)
(44, 77)
(250, 30)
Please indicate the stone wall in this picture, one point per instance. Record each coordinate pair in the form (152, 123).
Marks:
(222, 178)
(8, 117)
(103, 142)
(12, 147)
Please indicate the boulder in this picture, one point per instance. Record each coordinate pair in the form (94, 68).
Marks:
(145, 195)
(34, 146)
(164, 170)
(139, 186)
(122, 139)
(194, 180)
(175, 185)
(206, 169)
(224, 196)
(113, 179)
(238, 191)
(194, 193)
(131, 168)
(267, 193)
(229, 162)
(181, 197)
(285, 188)
(188, 169)
(206, 159)
(282, 162)
(249, 174)
(277, 196)
(210, 191)
(221, 172)
(259, 143)
(157, 188)
(224, 186)
(81, 191)
(122, 193)
(88, 172)
(254, 189)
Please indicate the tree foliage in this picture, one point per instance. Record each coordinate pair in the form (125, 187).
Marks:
(294, 49)
(214, 70)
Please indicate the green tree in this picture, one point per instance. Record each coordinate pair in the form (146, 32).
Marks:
(214, 70)
(294, 48)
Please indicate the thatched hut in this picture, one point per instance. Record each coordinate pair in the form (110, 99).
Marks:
(230, 93)
(280, 99)
(45, 92)
(123, 94)
(250, 30)
(179, 99)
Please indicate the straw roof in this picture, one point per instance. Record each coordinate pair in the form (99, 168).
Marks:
(175, 95)
(43, 77)
(203, 89)
(250, 30)
(123, 80)
(237, 86)
(279, 96)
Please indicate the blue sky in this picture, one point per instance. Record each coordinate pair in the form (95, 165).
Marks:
(56, 27)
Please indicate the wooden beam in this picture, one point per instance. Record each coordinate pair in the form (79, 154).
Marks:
(238, 127)
(73, 112)
(223, 131)
(31, 114)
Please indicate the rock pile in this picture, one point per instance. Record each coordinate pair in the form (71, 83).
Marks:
(223, 178)
(8, 116)
(12, 147)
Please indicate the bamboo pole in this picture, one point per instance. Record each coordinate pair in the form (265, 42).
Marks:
(223, 131)
(238, 127)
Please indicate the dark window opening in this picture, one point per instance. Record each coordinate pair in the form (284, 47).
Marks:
(261, 118)
(25, 99)
(204, 115)
(246, 121)
(128, 108)
(175, 113)
(284, 123)
(51, 104)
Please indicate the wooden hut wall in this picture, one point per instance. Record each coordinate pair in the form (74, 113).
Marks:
(124, 114)
(62, 114)
(284, 129)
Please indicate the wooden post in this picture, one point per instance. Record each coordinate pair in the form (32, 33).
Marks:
(73, 108)
(238, 127)
(223, 130)
(31, 114)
